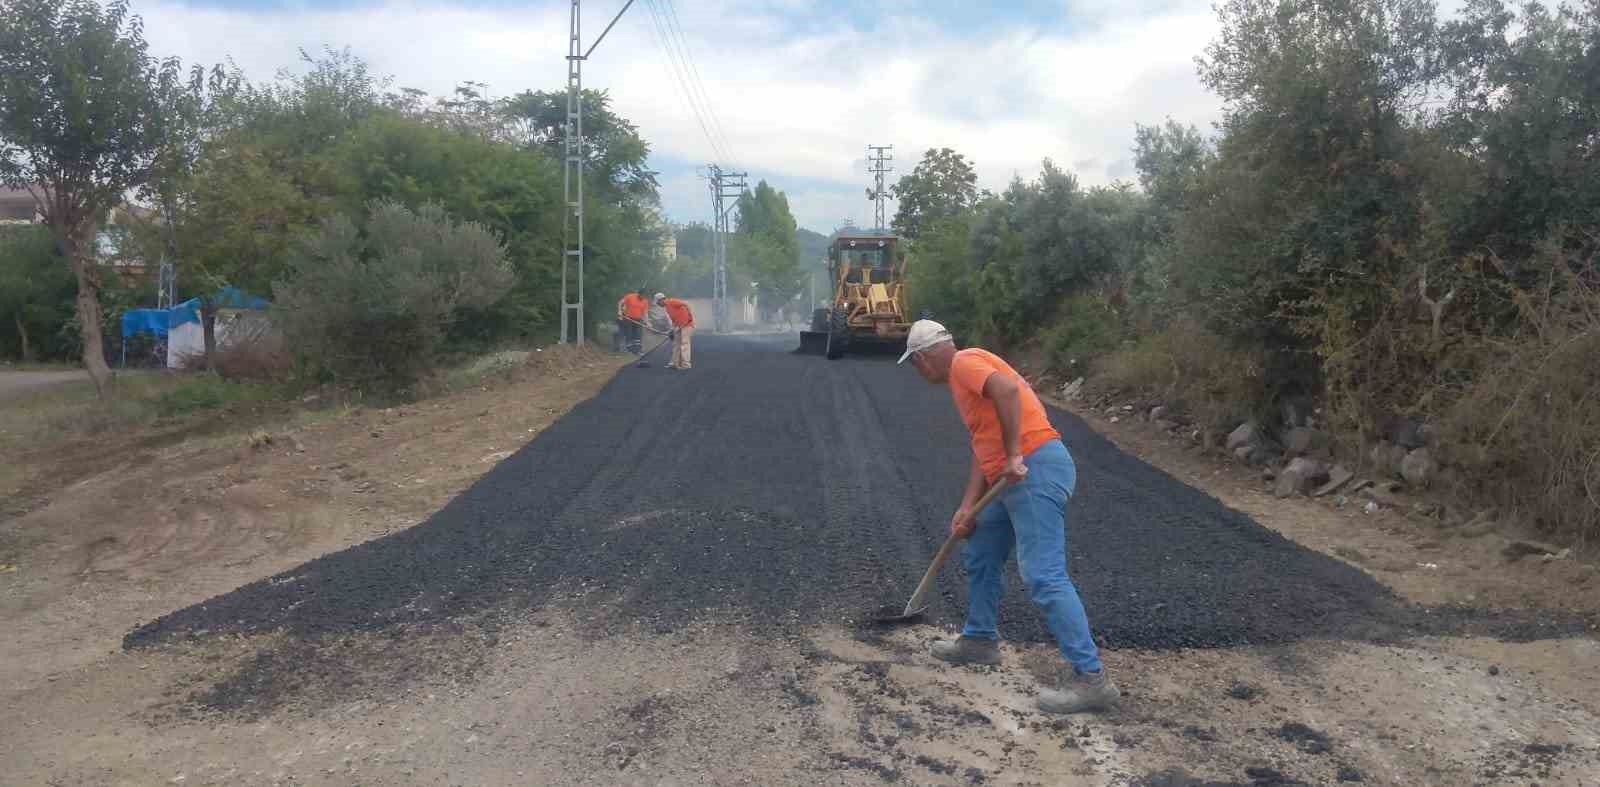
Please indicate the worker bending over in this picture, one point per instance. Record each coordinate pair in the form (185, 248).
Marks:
(630, 320)
(682, 329)
(1012, 439)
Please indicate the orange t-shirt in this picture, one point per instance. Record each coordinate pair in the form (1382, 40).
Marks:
(634, 306)
(678, 312)
(968, 372)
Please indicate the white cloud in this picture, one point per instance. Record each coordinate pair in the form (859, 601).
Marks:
(797, 109)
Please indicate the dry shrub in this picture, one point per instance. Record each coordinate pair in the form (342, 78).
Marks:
(1195, 370)
(257, 356)
(1526, 430)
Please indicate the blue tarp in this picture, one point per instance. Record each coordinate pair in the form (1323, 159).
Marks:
(188, 311)
(159, 321)
(151, 321)
(235, 298)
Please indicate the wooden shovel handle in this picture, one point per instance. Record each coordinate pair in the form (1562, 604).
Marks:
(950, 544)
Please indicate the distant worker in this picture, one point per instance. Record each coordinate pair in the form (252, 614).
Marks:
(1012, 439)
(630, 320)
(682, 319)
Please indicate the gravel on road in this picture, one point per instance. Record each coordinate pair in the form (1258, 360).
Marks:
(782, 490)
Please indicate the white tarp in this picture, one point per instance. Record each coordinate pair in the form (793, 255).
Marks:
(187, 340)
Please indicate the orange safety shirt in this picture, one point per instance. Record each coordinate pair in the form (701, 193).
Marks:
(634, 306)
(968, 372)
(678, 312)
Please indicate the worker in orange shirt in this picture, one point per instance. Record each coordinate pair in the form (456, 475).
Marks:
(1012, 439)
(682, 329)
(630, 319)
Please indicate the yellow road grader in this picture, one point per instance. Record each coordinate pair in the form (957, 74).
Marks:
(869, 306)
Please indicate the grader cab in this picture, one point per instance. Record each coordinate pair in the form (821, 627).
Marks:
(869, 306)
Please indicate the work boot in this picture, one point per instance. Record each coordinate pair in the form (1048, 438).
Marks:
(966, 650)
(1078, 692)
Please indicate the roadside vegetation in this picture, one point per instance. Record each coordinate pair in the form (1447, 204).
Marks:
(1392, 238)
(395, 233)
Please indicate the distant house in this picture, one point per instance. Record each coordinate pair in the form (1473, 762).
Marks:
(17, 207)
(111, 242)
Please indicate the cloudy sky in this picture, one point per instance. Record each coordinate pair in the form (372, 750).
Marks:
(788, 90)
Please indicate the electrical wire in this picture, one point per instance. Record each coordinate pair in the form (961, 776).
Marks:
(679, 72)
(694, 72)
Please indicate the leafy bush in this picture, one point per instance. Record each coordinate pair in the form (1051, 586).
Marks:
(1196, 370)
(370, 309)
(1084, 330)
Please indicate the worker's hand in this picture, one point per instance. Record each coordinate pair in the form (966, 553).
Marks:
(1014, 470)
(962, 523)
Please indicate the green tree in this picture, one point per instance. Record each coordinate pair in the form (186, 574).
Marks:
(236, 223)
(195, 112)
(1311, 198)
(767, 250)
(942, 185)
(516, 193)
(36, 289)
(942, 274)
(1526, 86)
(370, 307)
(80, 126)
(615, 154)
(690, 274)
(620, 190)
(1170, 159)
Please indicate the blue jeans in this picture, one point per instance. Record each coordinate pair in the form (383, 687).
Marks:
(1032, 515)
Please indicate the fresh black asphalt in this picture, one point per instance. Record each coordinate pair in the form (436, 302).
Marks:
(779, 490)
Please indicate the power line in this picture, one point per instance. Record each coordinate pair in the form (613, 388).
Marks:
(673, 66)
(680, 71)
(705, 97)
(694, 84)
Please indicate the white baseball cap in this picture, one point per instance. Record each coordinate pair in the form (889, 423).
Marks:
(660, 296)
(924, 334)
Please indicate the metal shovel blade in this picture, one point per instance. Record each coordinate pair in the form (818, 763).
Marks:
(894, 614)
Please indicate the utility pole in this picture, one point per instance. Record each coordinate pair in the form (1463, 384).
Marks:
(878, 158)
(572, 178)
(166, 284)
(724, 185)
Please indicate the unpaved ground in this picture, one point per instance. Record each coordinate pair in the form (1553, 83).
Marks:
(572, 693)
(14, 383)
(110, 531)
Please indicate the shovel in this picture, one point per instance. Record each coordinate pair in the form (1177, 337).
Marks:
(644, 364)
(917, 605)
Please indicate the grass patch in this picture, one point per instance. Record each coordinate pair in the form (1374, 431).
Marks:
(482, 369)
(71, 410)
(207, 392)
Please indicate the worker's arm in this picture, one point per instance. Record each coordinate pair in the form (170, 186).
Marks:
(961, 522)
(1006, 394)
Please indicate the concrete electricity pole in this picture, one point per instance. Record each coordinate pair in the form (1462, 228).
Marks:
(878, 158)
(724, 186)
(572, 180)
